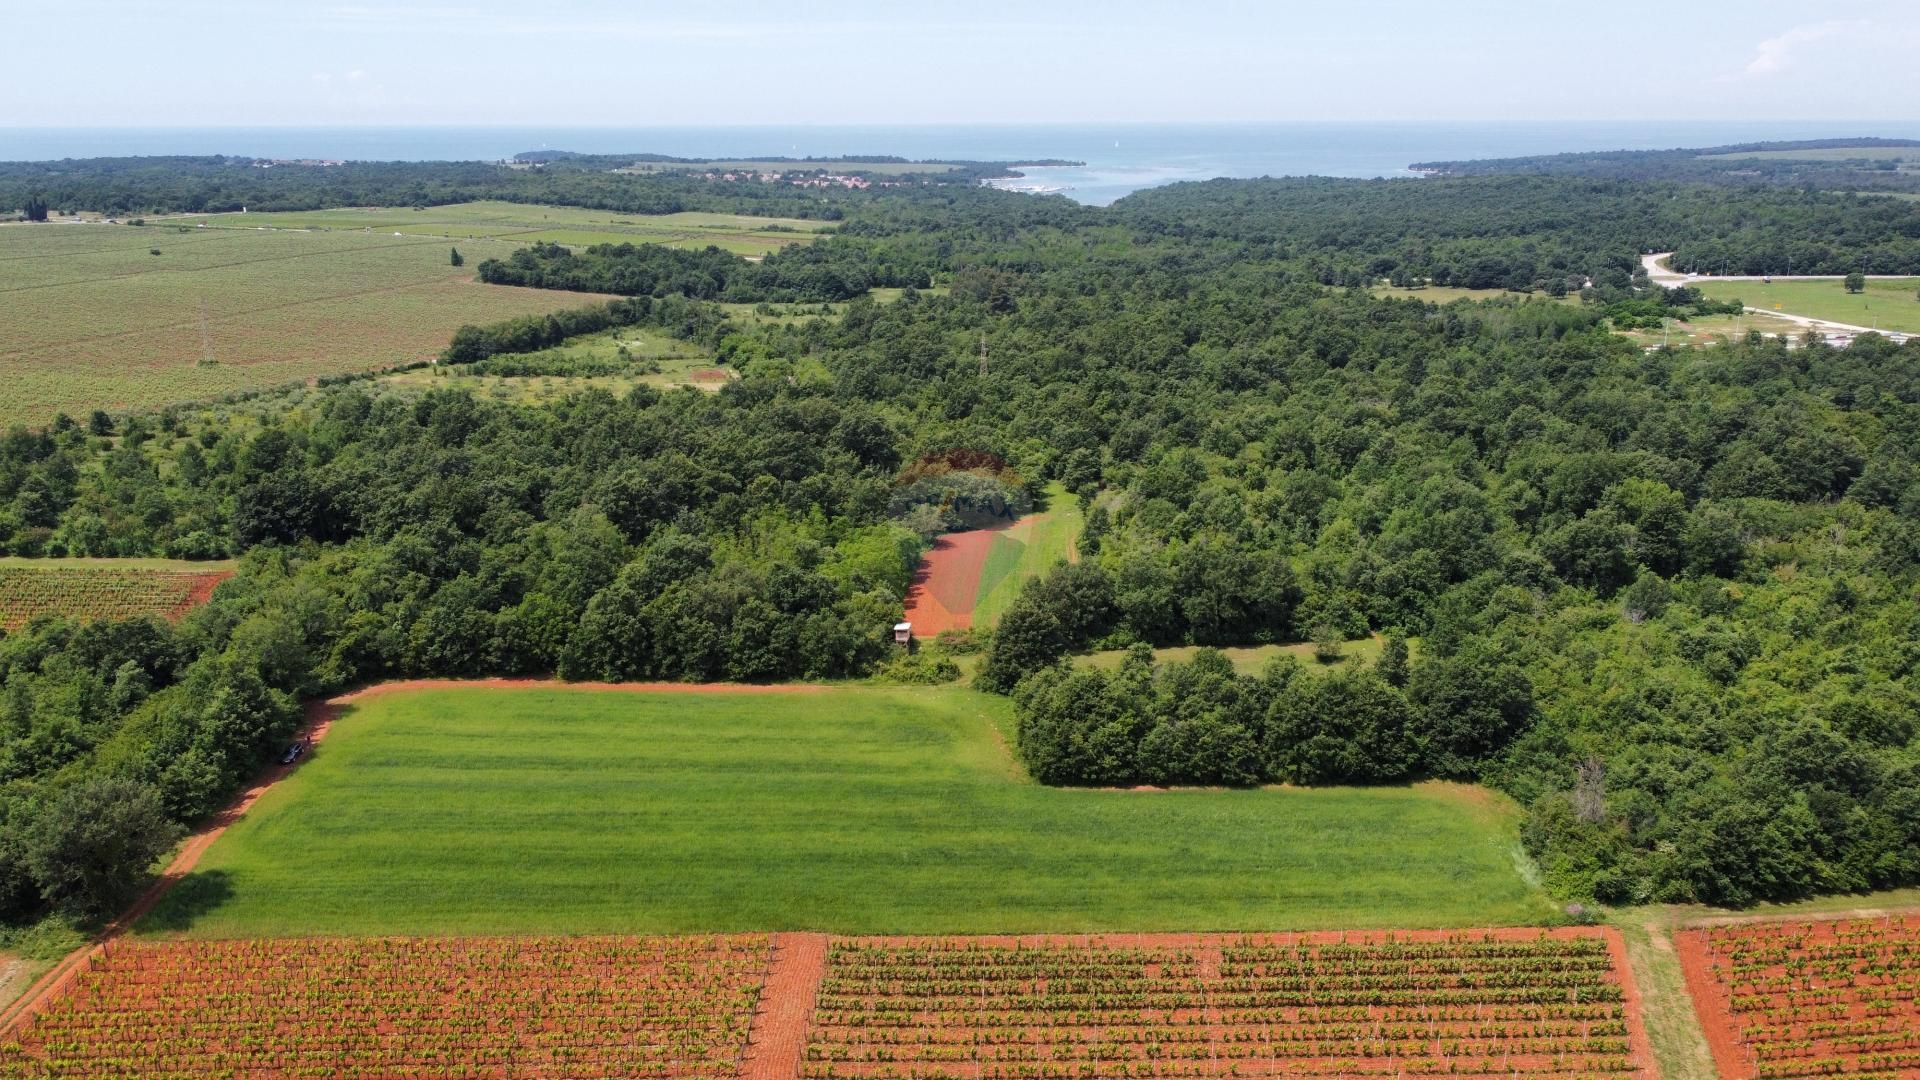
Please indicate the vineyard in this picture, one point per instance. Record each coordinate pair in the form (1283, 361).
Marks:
(1794, 999)
(1482, 1004)
(89, 590)
(661, 1008)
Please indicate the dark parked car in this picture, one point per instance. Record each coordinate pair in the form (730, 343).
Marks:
(293, 753)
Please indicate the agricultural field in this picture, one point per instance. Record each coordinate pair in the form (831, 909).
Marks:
(1837, 997)
(1460, 1004)
(659, 1008)
(1887, 303)
(615, 361)
(1715, 330)
(88, 589)
(497, 226)
(1908, 156)
(969, 579)
(90, 319)
(847, 809)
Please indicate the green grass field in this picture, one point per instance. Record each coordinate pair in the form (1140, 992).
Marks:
(1030, 548)
(496, 226)
(652, 358)
(854, 809)
(1889, 304)
(90, 319)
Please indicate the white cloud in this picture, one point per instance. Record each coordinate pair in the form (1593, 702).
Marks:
(1778, 54)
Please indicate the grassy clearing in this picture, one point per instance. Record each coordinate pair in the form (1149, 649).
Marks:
(1248, 660)
(854, 809)
(1889, 304)
(651, 358)
(1443, 294)
(1715, 330)
(90, 319)
(1030, 548)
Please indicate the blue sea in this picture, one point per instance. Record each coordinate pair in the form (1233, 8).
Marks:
(1120, 158)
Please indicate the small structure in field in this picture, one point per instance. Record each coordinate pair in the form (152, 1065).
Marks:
(903, 633)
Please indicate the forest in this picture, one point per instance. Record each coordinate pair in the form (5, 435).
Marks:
(1665, 599)
(1809, 164)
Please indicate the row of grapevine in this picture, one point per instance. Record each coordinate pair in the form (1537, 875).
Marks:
(1817, 998)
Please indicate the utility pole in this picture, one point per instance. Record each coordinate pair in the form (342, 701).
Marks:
(206, 338)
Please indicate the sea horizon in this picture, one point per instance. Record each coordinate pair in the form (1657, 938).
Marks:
(1119, 157)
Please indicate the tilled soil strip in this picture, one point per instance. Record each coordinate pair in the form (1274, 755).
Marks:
(777, 1041)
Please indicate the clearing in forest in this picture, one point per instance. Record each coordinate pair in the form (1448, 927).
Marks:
(969, 579)
(1830, 997)
(1886, 304)
(89, 589)
(845, 809)
(91, 317)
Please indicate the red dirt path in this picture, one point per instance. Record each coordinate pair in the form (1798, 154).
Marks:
(319, 719)
(777, 1042)
(1710, 1005)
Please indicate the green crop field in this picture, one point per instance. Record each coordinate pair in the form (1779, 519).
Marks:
(853, 809)
(1910, 154)
(494, 226)
(1030, 548)
(1888, 304)
(89, 318)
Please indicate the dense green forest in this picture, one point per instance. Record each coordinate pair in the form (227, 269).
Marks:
(1814, 164)
(1665, 599)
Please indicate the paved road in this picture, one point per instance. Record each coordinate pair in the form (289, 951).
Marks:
(1664, 276)
(1659, 274)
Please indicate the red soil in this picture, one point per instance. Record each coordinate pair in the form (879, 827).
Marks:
(200, 592)
(1711, 1006)
(947, 585)
(320, 717)
(778, 1039)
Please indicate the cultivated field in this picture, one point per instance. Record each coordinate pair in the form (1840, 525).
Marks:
(660, 1008)
(494, 225)
(90, 319)
(1887, 303)
(1815, 998)
(849, 809)
(1468, 1005)
(970, 578)
(87, 589)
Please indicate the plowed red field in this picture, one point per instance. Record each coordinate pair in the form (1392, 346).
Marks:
(1823, 998)
(947, 585)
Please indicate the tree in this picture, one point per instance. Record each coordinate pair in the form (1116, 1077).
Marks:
(458, 259)
(1856, 282)
(90, 850)
(36, 208)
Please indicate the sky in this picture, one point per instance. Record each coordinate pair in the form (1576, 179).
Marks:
(641, 63)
